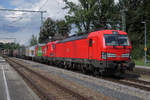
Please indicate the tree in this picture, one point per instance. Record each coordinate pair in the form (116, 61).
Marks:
(55, 29)
(33, 40)
(137, 11)
(90, 14)
(62, 28)
(9, 46)
(48, 29)
(80, 15)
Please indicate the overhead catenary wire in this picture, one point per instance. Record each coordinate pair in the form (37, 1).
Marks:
(43, 4)
(21, 10)
(23, 13)
(29, 11)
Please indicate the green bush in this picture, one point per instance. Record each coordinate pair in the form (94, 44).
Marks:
(138, 52)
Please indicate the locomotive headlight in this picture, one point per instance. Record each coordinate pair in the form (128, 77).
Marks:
(127, 55)
(104, 55)
(111, 55)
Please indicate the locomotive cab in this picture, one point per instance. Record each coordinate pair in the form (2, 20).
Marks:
(116, 51)
(113, 51)
(116, 47)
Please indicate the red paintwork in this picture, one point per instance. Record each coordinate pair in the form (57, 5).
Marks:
(50, 49)
(73, 49)
(81, 49)
(44, 50)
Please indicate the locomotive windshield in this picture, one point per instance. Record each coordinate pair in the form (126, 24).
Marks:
(116, 40)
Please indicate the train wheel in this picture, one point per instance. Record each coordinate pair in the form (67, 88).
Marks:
(83, 69)
(96, 72)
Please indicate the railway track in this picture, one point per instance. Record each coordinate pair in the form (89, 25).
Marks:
(46, 89)
(142, 71)
(139, 81)
(140, 84)
(136, 83)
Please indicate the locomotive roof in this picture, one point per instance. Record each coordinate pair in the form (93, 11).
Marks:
(78, 37)
(74, 38)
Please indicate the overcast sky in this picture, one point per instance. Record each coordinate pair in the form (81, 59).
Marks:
(22, 25)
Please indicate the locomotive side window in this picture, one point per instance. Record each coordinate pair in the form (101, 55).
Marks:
(90, 42)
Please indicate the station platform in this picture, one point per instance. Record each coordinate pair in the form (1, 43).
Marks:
(12, 86)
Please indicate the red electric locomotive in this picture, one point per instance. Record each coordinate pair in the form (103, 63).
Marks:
(99, 51)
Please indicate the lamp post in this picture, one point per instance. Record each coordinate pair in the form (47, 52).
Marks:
(145, 49)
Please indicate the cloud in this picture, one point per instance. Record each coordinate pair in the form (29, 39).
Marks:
(22, 25)
(116, 1)
(53, 8)
(23, 3)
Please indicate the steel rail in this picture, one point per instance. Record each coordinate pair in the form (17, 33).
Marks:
(139, 86)
(31, 82)
(67, 90)
(129, 83)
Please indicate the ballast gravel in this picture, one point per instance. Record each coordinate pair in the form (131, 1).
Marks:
(111, 89)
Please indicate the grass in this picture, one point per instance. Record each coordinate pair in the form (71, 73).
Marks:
(141, 62)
